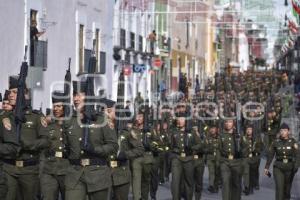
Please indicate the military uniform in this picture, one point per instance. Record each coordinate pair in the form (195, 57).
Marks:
(161, 142)
(270, 132)
(8, 150)
(199, 163)
(251, 149)
(54, 160)
(141, 167)
(89, 174)
(22, 170)
(130, 148)
(183, 145)
(55, 163)
(213, 162)
(286, 165)
(231, 167)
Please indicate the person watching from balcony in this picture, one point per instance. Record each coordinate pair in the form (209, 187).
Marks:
(152, 39)
(34, 35)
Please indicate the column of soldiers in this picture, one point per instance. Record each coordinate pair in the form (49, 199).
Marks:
(70, 156)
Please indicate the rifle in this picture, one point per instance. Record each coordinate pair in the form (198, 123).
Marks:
(89, 112)
(20, 101)
(67, 90)
(120, 104)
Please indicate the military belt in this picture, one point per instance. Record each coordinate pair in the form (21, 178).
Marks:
(57, 154)
(285, 160)
(116, 163)
(87, 162)
(21, 163)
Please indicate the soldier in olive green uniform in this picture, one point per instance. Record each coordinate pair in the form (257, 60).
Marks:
(213, 158)
(130, 148)
(141, 167)
(183, 146)
(156, 132)
(22, 170)
(230, 163)
(286, 151)
(8, 144)
(251, 146)
(55, 163)
(271, 129)
(88, 174)
(199, 161)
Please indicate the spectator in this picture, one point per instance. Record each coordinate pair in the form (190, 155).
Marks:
(152, 39)
(34, 35)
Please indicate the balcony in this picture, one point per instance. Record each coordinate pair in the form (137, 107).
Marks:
(38, 54)
(164, 44)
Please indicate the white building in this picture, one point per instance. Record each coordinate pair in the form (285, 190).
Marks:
(133, 22)
(70, 27)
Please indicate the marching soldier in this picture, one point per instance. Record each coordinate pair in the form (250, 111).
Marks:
(213, 158)
(199, 161)
(8, 143)
(55, 162)
(130, 148)
(230, 163)
(286, 152)
(157, 154)
(141, 167)
(271, 128)
(251, 145)
(22, 169)
(89, 174)
(183, 145)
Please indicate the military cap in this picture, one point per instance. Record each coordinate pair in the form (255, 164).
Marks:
(58, 96)
(213, 124)
(180, 114)
(284, 126)
(249, 125)
(13, 82)
(78, 86)
(107, 102)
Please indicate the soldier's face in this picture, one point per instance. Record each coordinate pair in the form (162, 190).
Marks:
(78, 100)
(139, 119)
(229, 124)
(165, 126)
(249, 131)
(111, 113)
(58, 109)
(213, 130)
(12, 97)
(284, 133)
(181, 122)
(6, 106)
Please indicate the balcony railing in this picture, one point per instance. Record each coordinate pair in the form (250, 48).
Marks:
(38, 55)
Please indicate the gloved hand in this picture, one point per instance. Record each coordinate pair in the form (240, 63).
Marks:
(122, 156)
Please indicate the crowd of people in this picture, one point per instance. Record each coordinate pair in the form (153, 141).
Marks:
(72, 154)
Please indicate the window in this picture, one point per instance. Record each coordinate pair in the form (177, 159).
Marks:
(132, 40)
(81, 48)
(97, 47)
(140, 43)
(123, 38)
(102, 69)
